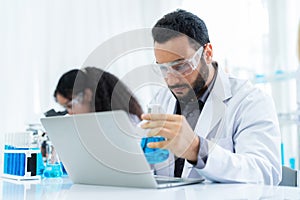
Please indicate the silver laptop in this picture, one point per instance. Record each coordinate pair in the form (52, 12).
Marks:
(104, 149)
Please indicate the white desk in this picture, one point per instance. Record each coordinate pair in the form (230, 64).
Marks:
(64, 189)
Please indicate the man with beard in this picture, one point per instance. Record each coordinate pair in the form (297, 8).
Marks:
(216, 126)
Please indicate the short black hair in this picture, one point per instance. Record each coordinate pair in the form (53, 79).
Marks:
(178, 23)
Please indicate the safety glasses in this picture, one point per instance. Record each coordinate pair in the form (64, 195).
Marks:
(181, 67)
(78, 99)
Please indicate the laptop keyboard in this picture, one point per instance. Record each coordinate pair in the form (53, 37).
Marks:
(167, 181)
(161, 180)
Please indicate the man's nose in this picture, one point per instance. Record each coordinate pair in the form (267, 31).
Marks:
(172, 78)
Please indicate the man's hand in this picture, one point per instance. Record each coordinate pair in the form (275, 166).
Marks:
(180, 138)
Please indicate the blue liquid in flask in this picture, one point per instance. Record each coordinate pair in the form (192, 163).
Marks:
(53, 171)
(154, 155)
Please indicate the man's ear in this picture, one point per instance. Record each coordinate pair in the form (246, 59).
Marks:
(88, 95)
(208, 53)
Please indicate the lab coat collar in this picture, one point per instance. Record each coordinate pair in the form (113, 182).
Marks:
(215, 106)
(213, 111)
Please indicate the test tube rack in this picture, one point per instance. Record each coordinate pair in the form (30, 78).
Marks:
(20, 163)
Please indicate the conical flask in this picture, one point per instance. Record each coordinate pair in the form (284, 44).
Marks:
(53, 167)
(154, 155)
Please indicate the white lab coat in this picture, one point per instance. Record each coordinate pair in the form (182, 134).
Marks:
(240, 124)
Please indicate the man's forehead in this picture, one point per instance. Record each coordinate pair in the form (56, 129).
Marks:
(174, 49)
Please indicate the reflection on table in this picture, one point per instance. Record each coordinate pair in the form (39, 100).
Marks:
(62, 188)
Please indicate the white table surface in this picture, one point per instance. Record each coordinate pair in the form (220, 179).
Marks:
(63, 188)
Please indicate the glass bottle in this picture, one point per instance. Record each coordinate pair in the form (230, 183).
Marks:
(154, 155)
(53, 166)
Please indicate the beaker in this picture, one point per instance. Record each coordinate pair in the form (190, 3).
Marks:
(53, 166)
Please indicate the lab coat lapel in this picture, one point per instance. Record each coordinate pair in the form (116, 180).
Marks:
(171, 105)
(212, 113)
(214, 107)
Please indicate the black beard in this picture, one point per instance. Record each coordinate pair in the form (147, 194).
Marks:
(198, 87)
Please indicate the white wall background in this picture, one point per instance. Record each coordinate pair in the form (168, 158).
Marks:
(40, 40)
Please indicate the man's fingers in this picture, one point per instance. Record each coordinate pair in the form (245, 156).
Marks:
(161, 145)
(160, 132)
(158, 124)
(167, 117)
